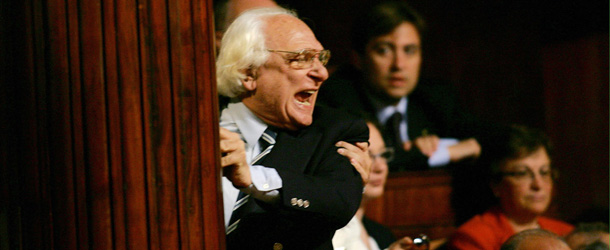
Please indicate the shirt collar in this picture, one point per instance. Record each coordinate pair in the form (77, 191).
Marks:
(250, 126)
(384, 113)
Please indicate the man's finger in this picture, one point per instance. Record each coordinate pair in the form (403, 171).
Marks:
(346, 145)
(228, 145)
(362, 145)
(227, 160)
(227, 134)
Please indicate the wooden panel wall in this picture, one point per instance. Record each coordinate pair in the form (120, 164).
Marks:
(416, 202)
(109, 125)
(576, 97)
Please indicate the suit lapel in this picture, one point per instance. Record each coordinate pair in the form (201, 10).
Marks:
(296, 148)
(416, 119)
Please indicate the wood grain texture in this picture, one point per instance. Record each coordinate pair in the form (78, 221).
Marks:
(116, 102)
(414, 203)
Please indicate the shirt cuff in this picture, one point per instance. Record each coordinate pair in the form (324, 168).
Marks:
(266, 183)
(441, 157)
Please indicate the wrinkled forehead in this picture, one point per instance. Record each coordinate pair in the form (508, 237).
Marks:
(288, 32)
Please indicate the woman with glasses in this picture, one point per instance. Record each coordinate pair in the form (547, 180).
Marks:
(521, 178)
(364, 234)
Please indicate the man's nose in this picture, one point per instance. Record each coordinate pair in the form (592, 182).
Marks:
(318, 72)
(399, 61)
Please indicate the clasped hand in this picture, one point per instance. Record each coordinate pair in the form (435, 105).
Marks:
(427, 144)
(358, 156)
(233, 161)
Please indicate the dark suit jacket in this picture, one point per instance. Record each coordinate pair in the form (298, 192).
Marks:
(432, 107)
(313, 172)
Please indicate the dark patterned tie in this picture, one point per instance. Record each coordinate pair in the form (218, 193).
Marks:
(392, 130)
(244, 203)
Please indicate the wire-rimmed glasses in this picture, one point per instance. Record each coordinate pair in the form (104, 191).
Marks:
(303, 59)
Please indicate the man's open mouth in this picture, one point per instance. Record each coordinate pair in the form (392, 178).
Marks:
(303, 97)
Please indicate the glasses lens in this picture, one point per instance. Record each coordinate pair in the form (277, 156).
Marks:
(528, 175)
(324, 57)
(308, 57)
(301, 60)
(388, 155)
(304, 59)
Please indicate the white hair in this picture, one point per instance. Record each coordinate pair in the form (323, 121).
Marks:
(243, 47)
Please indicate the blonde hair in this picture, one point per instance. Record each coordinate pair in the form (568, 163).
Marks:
(243, 47)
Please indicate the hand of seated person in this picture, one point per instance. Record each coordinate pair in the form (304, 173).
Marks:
(447, 150)
(233, 161)
(405, 243)
(464, 149)
(427, 144)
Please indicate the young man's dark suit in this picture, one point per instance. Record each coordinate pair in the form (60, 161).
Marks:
(312, 171)
(431, 107)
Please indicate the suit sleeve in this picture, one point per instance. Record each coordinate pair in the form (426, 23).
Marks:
(330, 189)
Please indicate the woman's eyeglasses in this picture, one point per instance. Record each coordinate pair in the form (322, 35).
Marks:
(387, 155)
(527, 174)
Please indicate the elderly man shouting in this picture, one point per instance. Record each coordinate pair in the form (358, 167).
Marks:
(285, 185)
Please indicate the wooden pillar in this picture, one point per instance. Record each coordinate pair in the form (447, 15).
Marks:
(110, 114)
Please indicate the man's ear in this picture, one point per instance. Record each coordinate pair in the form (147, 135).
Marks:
(250, 81)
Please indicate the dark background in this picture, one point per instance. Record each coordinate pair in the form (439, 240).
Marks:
(539, 63)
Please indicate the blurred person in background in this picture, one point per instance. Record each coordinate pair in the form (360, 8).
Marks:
(421, 119)
(520, 176)
(362, 233)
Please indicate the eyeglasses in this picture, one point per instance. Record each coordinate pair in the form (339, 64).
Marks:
(528, 174)
(387, 155)
(304, 59)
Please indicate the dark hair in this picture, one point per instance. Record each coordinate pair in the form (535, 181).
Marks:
(520, 142)
(381, 19)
